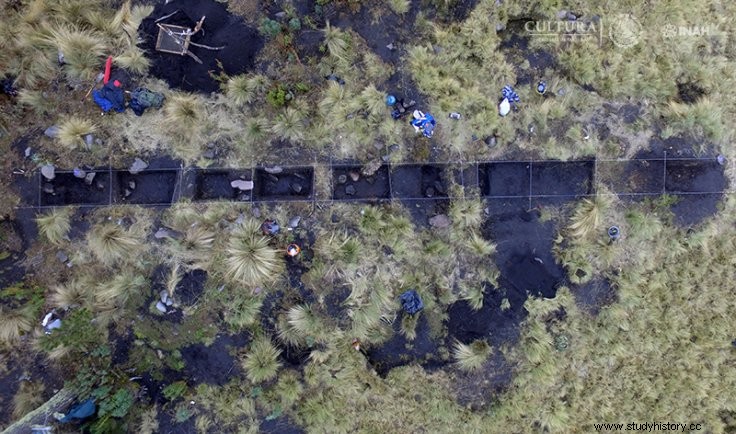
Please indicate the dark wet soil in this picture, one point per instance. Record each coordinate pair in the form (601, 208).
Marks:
(416, 182)
(562, 178)
(421, 210)
(215, 184)
(281, 425)
(213, 364)
(694, 176)
(190, 287)
(594, 295)
(371, 187)
(504, 179)
(399, 351)
(241, 42)
(289, 184)
(632, 176)
(70, 190)
(150, 187)
(476, 390)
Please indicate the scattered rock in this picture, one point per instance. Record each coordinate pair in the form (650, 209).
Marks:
(371, 168)
(393, 148)
(99, 142)
(53, 325)
(209, 154)
(127, 193)
(342, 179)
(48, 188)
(138, 166)
(52, 131)
(429, 192)
(391, 46)
(561, 14)
(62, 257)
(89, 139)
(256, 212)
(164, 295)
(161, 307)
(168, 233)
(721, 159)
(440, 221)
(79, 173)
(273, 169)
(169, 302)
(242, 185)
(571, 16)
(131, 185)
(504, 107)
(48, 171)
(100, 77)
(335, 218)
(562, 91)
(60, 57)
(280, 15)
(490, 141)
(500, 27)
(355, 176)
(296, 187)
(27, 152)
(294, 222)
(100, 185)
(210, 145)
(350, 190)
(386, 158)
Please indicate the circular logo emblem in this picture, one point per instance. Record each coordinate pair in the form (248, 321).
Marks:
(625, 31)
(669, 30)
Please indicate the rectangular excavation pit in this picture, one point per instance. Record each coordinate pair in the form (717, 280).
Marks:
(373, 187)
(504, 179)
(27, 186)
(632, 176)
(67, 189)
(150, 187)
(418, 182)
(216, 185)
(562, 178)
(694, 176)
(293, 183)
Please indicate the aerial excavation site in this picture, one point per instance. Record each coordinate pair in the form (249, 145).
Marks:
(367, 216)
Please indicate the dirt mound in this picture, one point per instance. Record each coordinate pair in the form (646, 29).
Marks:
(220, 28)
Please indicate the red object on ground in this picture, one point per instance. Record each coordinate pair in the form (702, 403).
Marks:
(116, 83)
(293, 250)
(108, 69)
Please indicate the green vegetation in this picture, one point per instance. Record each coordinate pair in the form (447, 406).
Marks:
(55, 225)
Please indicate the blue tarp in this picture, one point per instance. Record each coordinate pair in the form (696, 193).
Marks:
(110, 97)
(80, 411)
(411, 302)
(424, 123)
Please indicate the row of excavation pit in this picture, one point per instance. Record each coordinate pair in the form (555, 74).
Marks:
(348, 183)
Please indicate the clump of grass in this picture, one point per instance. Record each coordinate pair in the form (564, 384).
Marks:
(399, 6)
(36, 100)
(174, 278)
(82, 49)
(134, 60)
(587, 216)
(466, 214)
(243, 311)
(474, 295)
(55, 225)
(75, 293)
(289, 125)
(261, 363)
(335, 41)
(111, 244)
(302, 325)
(121, 289)
(15, 323)
(471, 357)
(28, 398)
(72, 131)
(148, 423)
(479, 245)
(249, 259)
